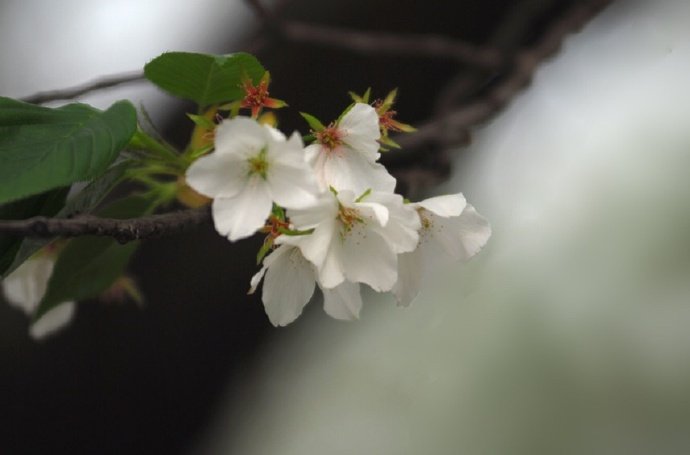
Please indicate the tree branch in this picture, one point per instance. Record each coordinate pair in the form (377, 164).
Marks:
(123, 231)
(428, 46)
(452, 124)
(74, 92)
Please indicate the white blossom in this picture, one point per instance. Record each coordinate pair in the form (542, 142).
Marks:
(24, 289)
(289, 282)
(251, 167)
(451, 229)
(345, 154)
(356, 239)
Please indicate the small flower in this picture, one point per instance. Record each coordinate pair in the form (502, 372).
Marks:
(451, 229)
(24, 289)
(252, 166)
(345, 153)
(355, 239)
(256, 96)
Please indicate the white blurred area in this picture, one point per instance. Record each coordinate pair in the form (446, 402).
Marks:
(49, 45)
(570, 333)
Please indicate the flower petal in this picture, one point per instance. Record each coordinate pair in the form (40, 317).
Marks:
(402, 230)
(24, 288)
(361, 128)
(241, 136)
(289, 285)
(244, 214)
(218, 175)
(410, 274)
(343, 302)
(367, 258)
(474, 231)
(290, 177)
(446, 205)
(55, 319)
(352, 171)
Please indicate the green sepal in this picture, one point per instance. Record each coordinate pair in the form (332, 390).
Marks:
(202, 121)
(314, 123)
(263, 251)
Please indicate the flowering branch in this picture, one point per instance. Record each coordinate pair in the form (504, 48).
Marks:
(122, 230)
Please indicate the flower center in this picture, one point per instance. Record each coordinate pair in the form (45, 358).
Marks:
(349, 218)
(258, 165)
(255, 96)
(427, 224)
(330, 137)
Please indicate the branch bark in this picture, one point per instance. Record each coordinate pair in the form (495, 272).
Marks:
(452, 124)
(123, 231)
(427, 46)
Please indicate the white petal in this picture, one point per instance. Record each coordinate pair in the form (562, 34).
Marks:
(373, 211)
(474, 231)
(288, 286)
(218, 175)
(352, 171)
(276, 135)
(244, 214)
(331, 272)
(314, 246)
(325, 208)
(343, 302)
(361, 128)
(52, 321)
(312, 151)
(410, 274)
(292, 181)
(402, 230)
(445, 206)
(241, 136)
(367, 258)
(24, 288)
(256, 279)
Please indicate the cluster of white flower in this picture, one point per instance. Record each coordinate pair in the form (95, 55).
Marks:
(330, 213)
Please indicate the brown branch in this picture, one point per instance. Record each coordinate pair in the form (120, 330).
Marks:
(122, 230)
(525, 64)
(429, 46)
(74, 92)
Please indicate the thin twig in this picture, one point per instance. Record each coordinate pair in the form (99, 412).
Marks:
(122, 230)
(428, 46)
(74, 92)
(525, 65)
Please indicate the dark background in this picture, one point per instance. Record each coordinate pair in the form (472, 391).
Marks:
(130, 379)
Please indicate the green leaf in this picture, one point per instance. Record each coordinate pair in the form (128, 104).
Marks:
(90, 265)
(202, 78)
(83, 202)
(314, 123)
(43, 148)
(46, 204)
